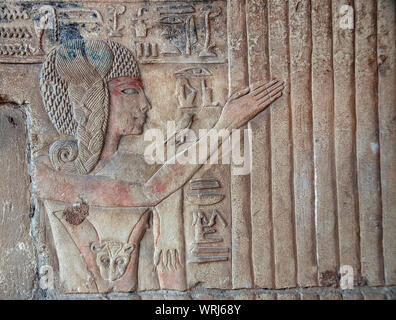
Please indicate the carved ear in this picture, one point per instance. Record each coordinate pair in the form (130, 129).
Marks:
(128, 248)
(96, 247)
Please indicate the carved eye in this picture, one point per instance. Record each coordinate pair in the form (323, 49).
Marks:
(171, 20)
(120, 261)
(195, 72)
(105, 261)
(130, 91)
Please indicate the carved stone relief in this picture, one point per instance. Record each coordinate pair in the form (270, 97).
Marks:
(107, 78)
(86, 85)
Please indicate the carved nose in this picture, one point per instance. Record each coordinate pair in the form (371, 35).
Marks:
(112, 272)
(145, 106)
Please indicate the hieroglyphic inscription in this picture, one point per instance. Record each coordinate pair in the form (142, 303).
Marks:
(15, 32)
(172, 33)
(188, 83)
(141, 25)
(209, 13)
(114, 30)
(206, 246)
(12, 13)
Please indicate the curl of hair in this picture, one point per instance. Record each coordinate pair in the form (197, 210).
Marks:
(63, 152)
(74, 89)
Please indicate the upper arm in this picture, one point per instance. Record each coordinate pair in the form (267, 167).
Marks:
(94, 190)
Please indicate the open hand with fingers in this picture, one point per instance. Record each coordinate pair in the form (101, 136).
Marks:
(244, 105)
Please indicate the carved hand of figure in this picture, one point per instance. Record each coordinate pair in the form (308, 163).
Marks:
(247, 103)
(167, 255)
(167, 248)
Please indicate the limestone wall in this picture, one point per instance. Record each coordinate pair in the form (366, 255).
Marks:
(318, 206)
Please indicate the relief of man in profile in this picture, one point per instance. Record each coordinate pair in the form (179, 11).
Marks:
(94, 95)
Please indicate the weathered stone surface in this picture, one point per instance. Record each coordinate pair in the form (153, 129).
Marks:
(18, 268)
(315, 210)
(386, 56)
(345, 141)
(323, 139)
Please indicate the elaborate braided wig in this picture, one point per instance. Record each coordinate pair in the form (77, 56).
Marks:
(75, 93)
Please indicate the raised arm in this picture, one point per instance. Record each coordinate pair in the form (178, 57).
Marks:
(240, 108)
(107, 192)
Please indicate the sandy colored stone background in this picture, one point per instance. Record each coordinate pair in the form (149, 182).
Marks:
(321, 195)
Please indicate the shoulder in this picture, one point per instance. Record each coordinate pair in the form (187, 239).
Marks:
(125, 166)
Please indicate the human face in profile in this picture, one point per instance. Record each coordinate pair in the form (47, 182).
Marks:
(128, 106)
